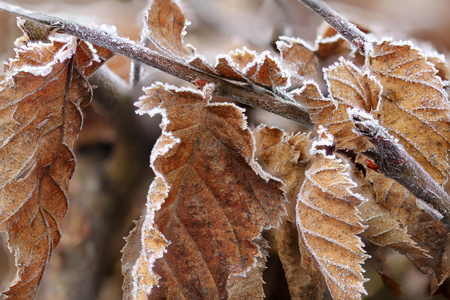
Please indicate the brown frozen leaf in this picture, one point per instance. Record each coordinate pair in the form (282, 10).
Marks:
(328, 222)
(285, 155)
(144, 245)
(414, 105)
(330, 42)
(250, 286)
(226, 67)
(219, 198)
(304, 282)
(349, 88)
(266, 70)
(384, 230)
(41, 102)
(383, 227)
(166, 27)
(297, 57)
(242, 57)
(429, 233)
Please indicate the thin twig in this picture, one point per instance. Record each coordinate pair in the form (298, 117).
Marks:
(348, 30)
(280, 104)
(397, 164)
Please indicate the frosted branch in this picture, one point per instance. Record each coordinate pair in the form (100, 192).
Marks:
(397, 164)
(348, 30)
(251, 95)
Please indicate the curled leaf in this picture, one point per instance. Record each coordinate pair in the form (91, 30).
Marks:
(328, 222)
(41, 102)
(349, 88)
(297, 57)
(415, 106)
(219, 197)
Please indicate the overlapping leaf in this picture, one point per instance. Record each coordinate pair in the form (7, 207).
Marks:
(166, 24)
(286, 156)
(328, 222)
(415, 106)
(429, 233)
(348, 88)
(41, 101)
(219, 198)
(297, 57)
(383, 227)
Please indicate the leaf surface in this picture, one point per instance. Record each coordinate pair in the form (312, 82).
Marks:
(348, 88)
(41, 101)
(297, 57)
(328, 222)
(166, 27)
(219, 198)
(415, 106)
(286, 156)
(429, 233)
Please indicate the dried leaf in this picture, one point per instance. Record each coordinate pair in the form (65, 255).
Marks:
(248, 66)
(348, 88)
(243, 57)
(328, 222)
(415, 106)
(429, 234)
(138, 272)
(297, 57)
(285, 155)
(304, 282)
(384, 230)
(166, 28)
(41, 102)
(330, 42)
(265, 70)
(226, 67)
(219, 198)
(250, 286)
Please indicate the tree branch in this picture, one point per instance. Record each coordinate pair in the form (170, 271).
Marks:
(348, 30)
(397, 164)
(252, 95)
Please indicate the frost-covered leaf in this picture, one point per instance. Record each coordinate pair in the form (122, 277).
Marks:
(166, 27)
(226, 67)
(348, 88)
(250, 286)
(285, 156)
(330, 43)
(429, 233)
(41, 101)
(297, 57)
(328, 222)
(415, 106)
(266, 70)
(144, 245)
(219, 198)
(249, 66)
(384, 230)
(304, 280)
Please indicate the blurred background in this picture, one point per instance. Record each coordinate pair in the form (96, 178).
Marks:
(108, 190)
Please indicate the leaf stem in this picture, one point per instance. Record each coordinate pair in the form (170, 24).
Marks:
(252, 95)
(348, 30)
(397, 164)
